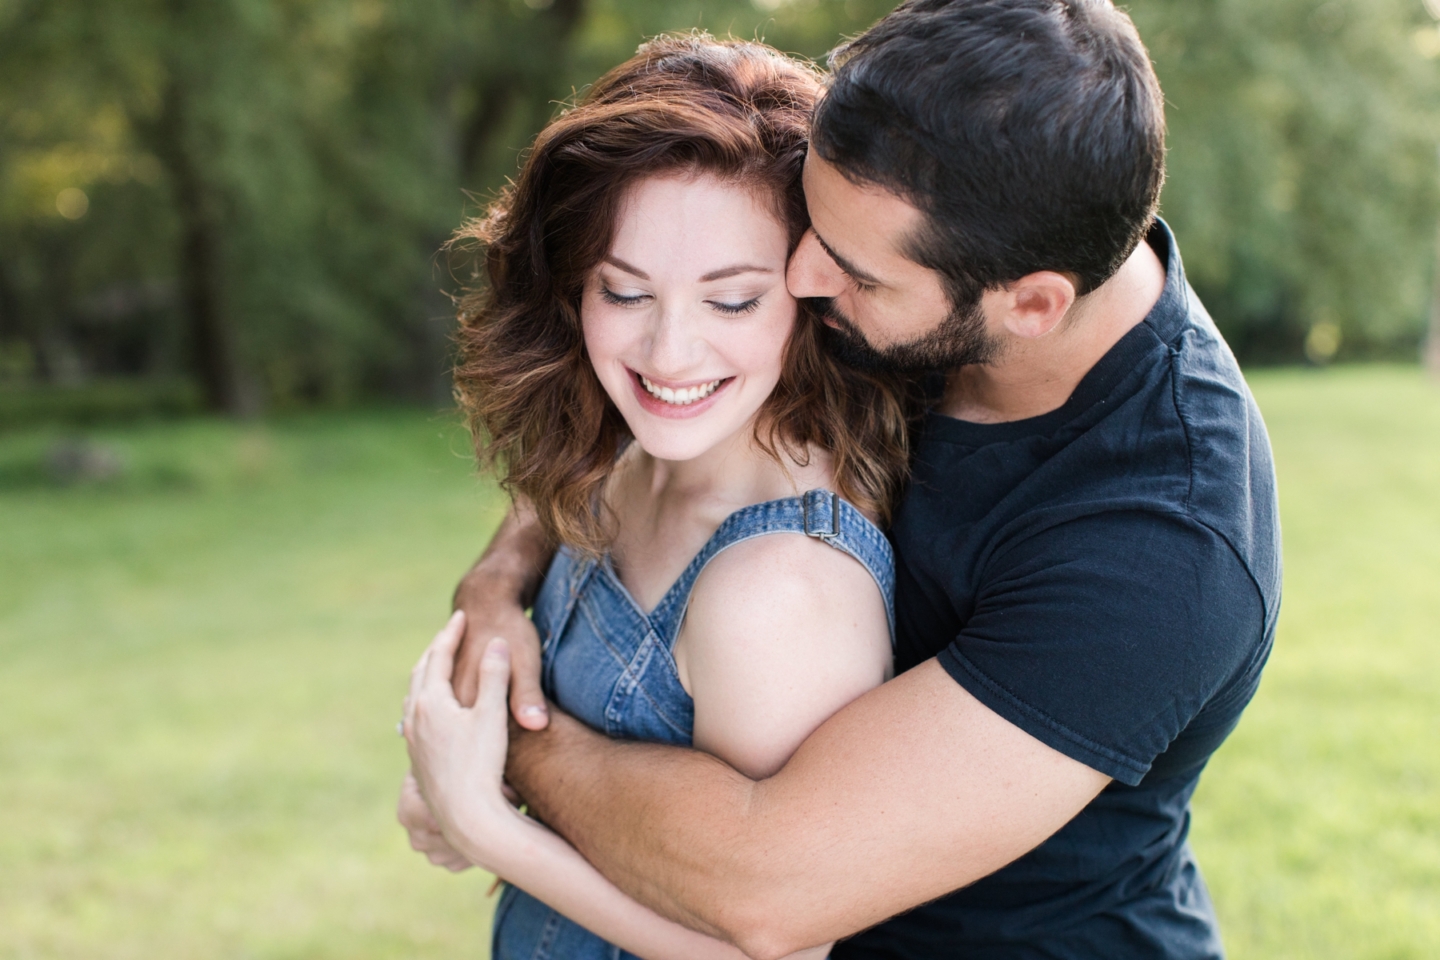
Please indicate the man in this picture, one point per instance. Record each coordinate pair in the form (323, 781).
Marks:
(1088, 553)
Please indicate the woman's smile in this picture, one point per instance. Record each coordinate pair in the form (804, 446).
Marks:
(677, 400)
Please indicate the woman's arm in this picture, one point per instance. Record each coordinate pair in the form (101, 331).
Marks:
(782, 632)
(458, 756)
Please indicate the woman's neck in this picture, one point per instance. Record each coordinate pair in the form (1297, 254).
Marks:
(730, 470)
(666, 509)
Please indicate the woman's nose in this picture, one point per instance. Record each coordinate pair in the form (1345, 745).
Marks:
(674, 348)
(811, 272)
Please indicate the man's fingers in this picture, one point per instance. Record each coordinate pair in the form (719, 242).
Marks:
(466, 679)
(527, 700)
(494, 679)
(494, 682)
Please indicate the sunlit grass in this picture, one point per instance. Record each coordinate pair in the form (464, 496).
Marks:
(201, 666)
(1318, 823)
(202, 657)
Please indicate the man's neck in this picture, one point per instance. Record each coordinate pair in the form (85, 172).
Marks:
(1031, 377)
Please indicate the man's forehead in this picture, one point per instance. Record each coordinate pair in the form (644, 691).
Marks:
(864, 223)
(830, 178)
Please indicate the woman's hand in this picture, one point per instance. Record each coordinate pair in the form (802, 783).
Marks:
(425, 836)
(457, 754)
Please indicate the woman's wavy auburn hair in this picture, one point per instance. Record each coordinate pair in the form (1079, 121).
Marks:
(682, 105)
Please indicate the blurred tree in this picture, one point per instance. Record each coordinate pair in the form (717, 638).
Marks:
(1303, 180)
(250, 193)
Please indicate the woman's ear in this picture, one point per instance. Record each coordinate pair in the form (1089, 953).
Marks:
(1035, 304)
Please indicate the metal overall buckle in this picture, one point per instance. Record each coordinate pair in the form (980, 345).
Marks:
(806, 513)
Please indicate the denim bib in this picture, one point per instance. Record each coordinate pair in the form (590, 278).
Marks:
(610, 664)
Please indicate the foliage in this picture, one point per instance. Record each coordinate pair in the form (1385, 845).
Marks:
(251, 193)
(1304, 183)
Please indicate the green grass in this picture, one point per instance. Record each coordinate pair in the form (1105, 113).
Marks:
(1318, 822)
(202, 660)
(201, 666)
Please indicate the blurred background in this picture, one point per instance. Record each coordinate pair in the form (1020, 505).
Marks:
(234, 498)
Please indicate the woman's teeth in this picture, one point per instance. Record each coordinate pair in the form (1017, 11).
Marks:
(683, 397)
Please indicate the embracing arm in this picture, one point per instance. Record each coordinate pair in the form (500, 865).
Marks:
(493, 594)
(910, 792)
(1122, 625)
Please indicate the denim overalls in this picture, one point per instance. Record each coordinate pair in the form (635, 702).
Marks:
(610, 665)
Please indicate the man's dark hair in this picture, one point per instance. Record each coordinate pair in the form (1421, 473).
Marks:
(1031, 133)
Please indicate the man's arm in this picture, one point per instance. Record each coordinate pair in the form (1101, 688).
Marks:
(912, 791)
(494, 595)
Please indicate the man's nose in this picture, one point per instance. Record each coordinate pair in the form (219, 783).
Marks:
(811, 272)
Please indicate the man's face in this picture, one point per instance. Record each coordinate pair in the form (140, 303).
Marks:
(883, 309)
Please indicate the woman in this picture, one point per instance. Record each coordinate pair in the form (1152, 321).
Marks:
(638, 372)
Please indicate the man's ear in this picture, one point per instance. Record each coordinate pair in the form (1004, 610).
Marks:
(1035, 304)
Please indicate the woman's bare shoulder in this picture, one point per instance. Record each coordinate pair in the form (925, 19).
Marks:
(804, 570)
(782, 631)
(782, 598)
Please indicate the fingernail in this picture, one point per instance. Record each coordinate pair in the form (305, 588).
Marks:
(533, 711)
(497, 649)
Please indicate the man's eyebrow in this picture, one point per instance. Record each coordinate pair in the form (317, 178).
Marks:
(727, 272)
(619, 264)
(846, 265)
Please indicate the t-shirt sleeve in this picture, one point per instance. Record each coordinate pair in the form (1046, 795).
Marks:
(1103, 637)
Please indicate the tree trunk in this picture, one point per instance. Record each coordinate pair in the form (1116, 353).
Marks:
(202, 298)
(1431, 349)
(498, 92)
(9, 308)
(495, 96)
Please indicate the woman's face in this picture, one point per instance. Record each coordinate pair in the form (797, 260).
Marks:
(687, 318)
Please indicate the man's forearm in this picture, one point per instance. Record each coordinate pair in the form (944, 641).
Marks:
(562, 774)
(912, 791)
(512, 565)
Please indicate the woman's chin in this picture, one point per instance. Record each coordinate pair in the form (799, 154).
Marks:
(675, 449)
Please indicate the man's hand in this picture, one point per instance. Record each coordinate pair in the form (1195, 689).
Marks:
(485, 620)
(425, 836)
(493, 595)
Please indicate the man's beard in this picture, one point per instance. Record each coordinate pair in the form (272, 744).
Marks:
(958, 341)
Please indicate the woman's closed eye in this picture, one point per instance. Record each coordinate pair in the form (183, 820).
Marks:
(622, 300)
(734, 309)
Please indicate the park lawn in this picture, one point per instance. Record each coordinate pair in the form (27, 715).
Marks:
(1318, 822)
(202, 661)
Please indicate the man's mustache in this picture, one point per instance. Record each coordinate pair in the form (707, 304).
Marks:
(843, 340)
(825, 309)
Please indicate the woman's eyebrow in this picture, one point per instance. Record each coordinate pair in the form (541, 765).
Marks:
(619, 264)
(728, 272)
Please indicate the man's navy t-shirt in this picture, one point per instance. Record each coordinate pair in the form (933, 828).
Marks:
(1106, 577)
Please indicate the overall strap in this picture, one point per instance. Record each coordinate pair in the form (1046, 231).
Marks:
(817, 513)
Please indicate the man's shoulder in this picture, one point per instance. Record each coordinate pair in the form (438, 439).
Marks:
(1232, 485)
